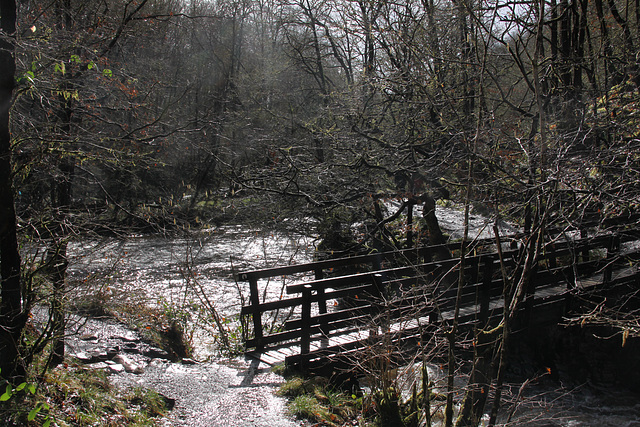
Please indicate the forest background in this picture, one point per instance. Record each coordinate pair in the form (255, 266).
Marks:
(135, 116)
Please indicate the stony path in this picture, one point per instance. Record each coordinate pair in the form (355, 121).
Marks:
(233, 393)
(215, 394)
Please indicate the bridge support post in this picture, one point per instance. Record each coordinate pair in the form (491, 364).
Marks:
(254, 298)
(485, 291)
(612, 252)
(305, 338)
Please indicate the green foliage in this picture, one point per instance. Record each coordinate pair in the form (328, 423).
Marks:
(85, 397)
(336, 234)
(149, 401)
(293, 387)
(28, 77)
(60, 67)
(176, 329)
(309, 408)
(11, 392)
(68, 94)
(315, 400)
(388, 407)
(24, 395)
(618, 109)
(234, 332)
(165, 326)
(35, 411)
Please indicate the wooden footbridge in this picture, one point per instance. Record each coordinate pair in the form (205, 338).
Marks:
(333, 310)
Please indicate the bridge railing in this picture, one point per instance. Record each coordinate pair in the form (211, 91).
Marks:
(393, 284)
(363, 289)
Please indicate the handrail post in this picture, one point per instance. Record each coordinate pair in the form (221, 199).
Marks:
(485, 292)
(612, 251)
(305, 335)
(378, 281)
(322, 307)
(530, 294)
(551, 250)
(585, 252)
(322, 301)
(376, 262)
(254, 299)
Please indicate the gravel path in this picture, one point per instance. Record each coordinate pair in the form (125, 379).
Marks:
(238, 395)
(230, 393)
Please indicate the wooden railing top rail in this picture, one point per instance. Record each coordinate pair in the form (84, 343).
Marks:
(361, 259)
(552, 249)
(388, 255)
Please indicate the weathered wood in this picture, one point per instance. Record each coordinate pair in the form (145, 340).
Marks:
(322, 299)
(613, 248)
(305, 333)
(271, 305)
(485, 289)
(254, 298)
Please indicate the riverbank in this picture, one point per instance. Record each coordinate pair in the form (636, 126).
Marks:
(225, 392)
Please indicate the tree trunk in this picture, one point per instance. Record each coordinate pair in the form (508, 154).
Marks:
(61, 201)
(436, 237)
(480, 379)
(12, 318)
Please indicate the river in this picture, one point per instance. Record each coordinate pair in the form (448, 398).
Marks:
(197, 268)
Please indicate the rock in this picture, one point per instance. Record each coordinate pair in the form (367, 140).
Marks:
(112, 351)
(100, 355)
(82, 357)
(116, 368)
(99, 365)
(131, 347)
(188, 361)
(156, 353)
(130, 339)
(128, 364)
(122, 359)
(88, 337)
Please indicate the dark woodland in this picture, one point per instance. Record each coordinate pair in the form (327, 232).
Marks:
(129, 117)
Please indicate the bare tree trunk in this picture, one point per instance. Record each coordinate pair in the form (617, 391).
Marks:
(12, 318)
(480, 379)
(451, 368)
(61, 204)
